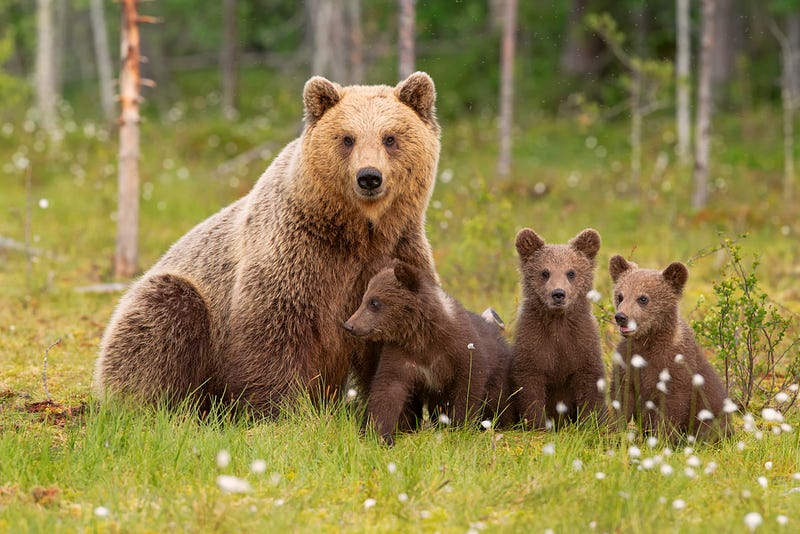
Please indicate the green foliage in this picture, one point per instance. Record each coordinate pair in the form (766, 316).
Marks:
(753, 339)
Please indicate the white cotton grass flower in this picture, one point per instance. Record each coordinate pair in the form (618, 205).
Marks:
(102, 511)
(617, 359)
(402, 497)
(749, 422)
(223, 458)
(577, 464)
(471, 346)
(794, 387)
(666, 470)
(705, 415)
(601, 385)
(679, 504)
(782, 519)
(352, 394)
(753, 520)
(772, 415)
(728, 406)
(549, 424)
(637, 361)
(616, 405)
(44, 203)
(444, 419)
(369, 503)
(279, 502)
(258, 466)
(689, 472)
(698, 380)
(599, 475)
(648, 463)
(786, 427)
(662, 387)
(710, 468)
(693, 461)
(664, 375)
(679, 358)
(767, 465)
(391, 467)
(486, 424)
(781, 397)
(232, 484)
(549, 449)
(763, 482)
(652, 442)
(594, 295)
(740, 445)
(634, 452)
(650, 405)
(561, 408)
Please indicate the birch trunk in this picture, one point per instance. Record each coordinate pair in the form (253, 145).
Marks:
(405, 40)
(103, 56)
(683, 98)
(228, 58)
(46, 94)
(507, 88)
(704, 105)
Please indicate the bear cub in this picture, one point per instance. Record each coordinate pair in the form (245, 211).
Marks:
(557, 365)
(432, 351)
(660, 375)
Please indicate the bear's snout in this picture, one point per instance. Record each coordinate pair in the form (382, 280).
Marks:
(558, 295)
(369, 179)
(621, 319)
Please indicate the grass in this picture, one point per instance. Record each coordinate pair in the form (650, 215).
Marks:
(153, 470)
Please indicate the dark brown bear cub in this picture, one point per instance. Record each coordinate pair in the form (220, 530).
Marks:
(660, 375)
(433, 351)
(557, 367)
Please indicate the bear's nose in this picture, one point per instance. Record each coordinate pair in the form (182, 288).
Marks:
(558, 295)
(369, 178)
(621, 319)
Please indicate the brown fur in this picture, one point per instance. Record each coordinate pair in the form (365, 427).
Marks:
(250, 302)
(425, 356)
(646, 303)
(557, 357)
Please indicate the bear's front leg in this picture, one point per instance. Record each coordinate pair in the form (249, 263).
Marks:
(590, 387)
(390, 392)
(531, 402)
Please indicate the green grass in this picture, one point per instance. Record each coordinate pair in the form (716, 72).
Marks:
(156, 471)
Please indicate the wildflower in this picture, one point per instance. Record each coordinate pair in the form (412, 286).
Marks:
(351, 394)
(794, 387)
(664, 375)
(767, 465)
(223, 458)
(486, 424)
(679, 358)
(561, 408)
(369, 503)
(679, 504)
(710, 468)
(617, 360)
(638, 362)
(705, 415)
(601, 385)
(634, 452)
(786, 427)
(698, 380)
(279, 502)
(782, 519)
(689, 472)
(577, 464)
(101, 511)
(44, 203)
(599, 475)
(549, 449)
(616, 405)
(648, 463)
(693, 461)
(402, 497)
(772, 415)
(728, 406)
(258, 466)
(762, 481)
(232, 484)
(650, 405)
(753, 520)
(391, 467)
(781, 397)
(444, 419)
(749, 422)
(662, 387)
(652, 442)
(740, 446)
(666, 469)
(471, 346)
(594, 295)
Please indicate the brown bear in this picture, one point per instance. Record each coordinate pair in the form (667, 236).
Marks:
(249, 304)
(557, 359)
(660, 375)
(433, 351)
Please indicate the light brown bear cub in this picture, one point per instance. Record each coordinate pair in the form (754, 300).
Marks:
(249, 304)
(433, 351)
(660, 375)
(557, 360)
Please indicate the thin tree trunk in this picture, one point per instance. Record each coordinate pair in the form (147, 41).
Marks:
(507, 88)
(228, 59)
(328, 56)
(790, 82)
(683, 97)
(704, 107)
(355, 41)
(126, 256)
(639, 34)
(46, 93)
(103, 56)
(405, 41)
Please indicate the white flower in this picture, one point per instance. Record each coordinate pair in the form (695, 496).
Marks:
(782, 519)
(762, 481)
(650, 405)
(652, 442)
(664, 375)
(740, 445)
(549, 449)
(693, 461)
(232, 484)
(601, 385)
(781, 397)
(351, 394)
(402, 497)
(705, 415)
(638, 362)
(728, 406)
(616, 405)
(634, 452)
(279, 502)
(662, 387)
(101, 511)
(577, 464)
(391, 467)
(749, 422)
(753, 520)
(679, 504)
(767, 465)
(594, 295)
(679, 358)
(794, 387)
(471, 346)
(617, 360)
(444, 419)
(710, 468)
(698, 380)
(786, 427)
(689, 472)
(648, 463)
(599, 475)
(44, 203)
(258, 466)
(772, 415)
(666, 469)
(486, 424)
(369, 503)
(223, 458)
(561, 408)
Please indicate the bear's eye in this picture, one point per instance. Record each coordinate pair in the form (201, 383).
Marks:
(389, 141)
(618, 298)
(545, 275)
(571, 275)
(348, 140)
(375, 303)
(642, 299)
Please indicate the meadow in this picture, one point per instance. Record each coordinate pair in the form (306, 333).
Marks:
(74, 465)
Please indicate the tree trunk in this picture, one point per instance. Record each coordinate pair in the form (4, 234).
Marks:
(507, 88)
(103, 55)
(579, 55)
(702, 145)
(726, 42)
(228, 59)
(126, 255)
(355, 41)
(405, 41)
(328, 23)
(682, 73)
(46, 93)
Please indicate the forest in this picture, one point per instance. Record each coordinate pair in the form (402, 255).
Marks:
(669, 126)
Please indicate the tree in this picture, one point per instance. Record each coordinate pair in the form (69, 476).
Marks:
(507, 87)
(682, 69)
(328, 24)
(46, 92)
(405, 41)
(228, 59)
(581, 48)
(103, 57)
(702, 146)
(355, 43)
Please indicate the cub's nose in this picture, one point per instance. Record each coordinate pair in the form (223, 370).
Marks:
(369, 178)
(621, 319)
(558, 295)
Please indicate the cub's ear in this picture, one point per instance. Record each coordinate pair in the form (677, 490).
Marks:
(407, 276)
(676, 275)
(618, 265)
(528, 242)
(587, 243)
(319, 95)
(418, 92)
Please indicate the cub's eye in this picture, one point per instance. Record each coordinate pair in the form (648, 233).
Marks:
(571, 275)
(618, 298)
(389, 140)
(375, 303)
(642, 299)
(545, 275)
(348, 140)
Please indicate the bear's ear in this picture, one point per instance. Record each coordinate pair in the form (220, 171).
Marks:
(618, 265)
(528, 242)
(319, 95)
(407, 276)
(587, 243)
(676, 275)
(418, 92)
